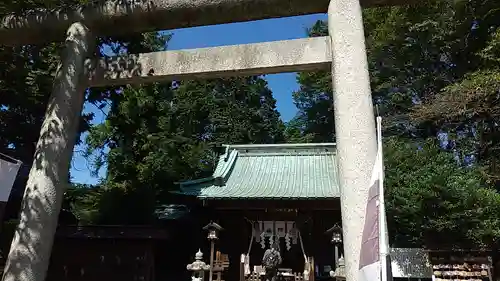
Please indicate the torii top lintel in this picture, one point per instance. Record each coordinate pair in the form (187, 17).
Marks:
(115, 17)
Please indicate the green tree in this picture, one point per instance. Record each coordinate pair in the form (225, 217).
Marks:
(26, 82)
(83, 202)
(468, 108)
(433, 70)
(314, 101)
(162, 133)
(294, 132)
(434, 202)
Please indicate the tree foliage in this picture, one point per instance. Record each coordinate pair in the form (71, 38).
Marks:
(157, 134)
(434, 71)
(26, 81)
(468, 107)
(314, 101)
(434, 202)
(163, 133)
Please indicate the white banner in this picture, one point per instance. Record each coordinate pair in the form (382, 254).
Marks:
(374, 262)
(8, 173)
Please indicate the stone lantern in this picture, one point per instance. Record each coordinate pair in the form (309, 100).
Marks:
(339, 273)
(198, 267)
(336, 240)
(213, 234)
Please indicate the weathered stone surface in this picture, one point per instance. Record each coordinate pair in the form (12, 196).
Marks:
(31, 246)
(113, 17)
(354, 123)
(241, 60)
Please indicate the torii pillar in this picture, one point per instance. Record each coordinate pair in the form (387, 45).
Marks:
(31, 246)
(354, 123)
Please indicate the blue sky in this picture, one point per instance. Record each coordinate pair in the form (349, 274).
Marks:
(282, 85)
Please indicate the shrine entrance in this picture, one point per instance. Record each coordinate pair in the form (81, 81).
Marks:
(262, 194)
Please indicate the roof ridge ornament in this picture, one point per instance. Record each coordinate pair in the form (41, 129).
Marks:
(226, 154)
(229, 160)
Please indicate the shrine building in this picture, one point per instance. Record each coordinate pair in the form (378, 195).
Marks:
(273, 192)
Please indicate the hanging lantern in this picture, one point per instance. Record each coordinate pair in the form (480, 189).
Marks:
(213, 230)
(336, 232)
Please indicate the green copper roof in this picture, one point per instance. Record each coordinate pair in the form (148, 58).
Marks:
(286, 171)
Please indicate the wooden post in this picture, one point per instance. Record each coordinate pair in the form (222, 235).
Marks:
(312, 274)
(242, 267)
(336, 256)
(490, 277)
(212, 246)
(153, 269)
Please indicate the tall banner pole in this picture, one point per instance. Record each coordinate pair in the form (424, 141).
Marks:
(383, 235)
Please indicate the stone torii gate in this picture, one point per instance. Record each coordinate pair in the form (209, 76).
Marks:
(343, 50)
